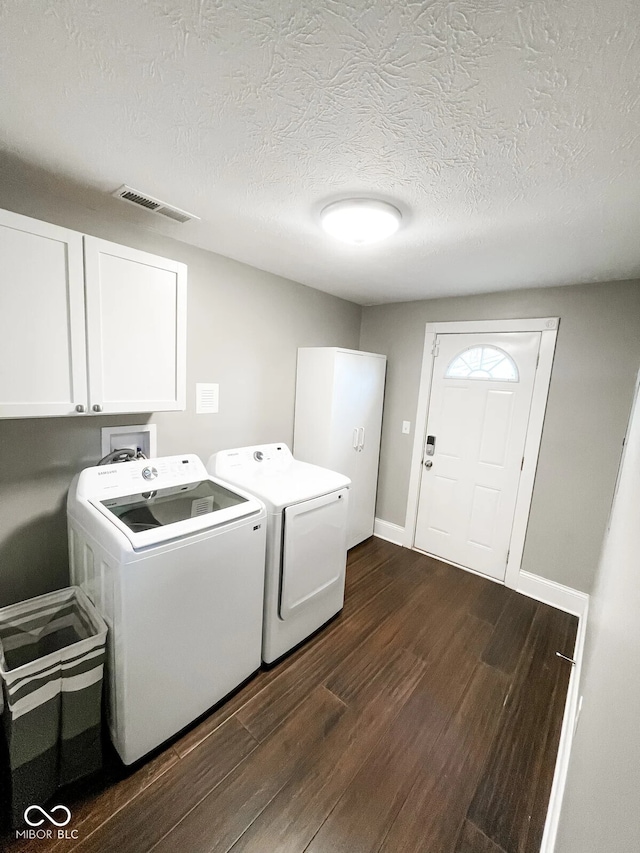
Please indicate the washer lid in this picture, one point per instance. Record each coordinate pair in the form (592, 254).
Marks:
(157, 500)
(270, 472)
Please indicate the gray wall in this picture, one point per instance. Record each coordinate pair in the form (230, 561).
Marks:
(244, 327)
(600, 809)
(597, 356)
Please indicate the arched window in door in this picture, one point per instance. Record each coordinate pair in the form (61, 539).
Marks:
(483, 363)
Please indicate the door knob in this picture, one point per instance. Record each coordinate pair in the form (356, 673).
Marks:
(428, 463)
(97, 408)
(80, 408)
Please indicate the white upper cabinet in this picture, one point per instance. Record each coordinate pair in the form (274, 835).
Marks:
(107, 337)
(136, 330)
(42, 337)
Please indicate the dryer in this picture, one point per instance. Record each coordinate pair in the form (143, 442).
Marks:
(307, 509)
(174, 562)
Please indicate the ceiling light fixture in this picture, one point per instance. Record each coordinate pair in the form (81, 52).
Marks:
(360, 220)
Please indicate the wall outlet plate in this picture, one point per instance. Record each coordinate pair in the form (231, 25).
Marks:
(406, 427)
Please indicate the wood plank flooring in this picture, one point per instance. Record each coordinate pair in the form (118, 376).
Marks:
(424, 719)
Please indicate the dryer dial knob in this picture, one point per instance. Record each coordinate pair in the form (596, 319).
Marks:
(258, 456)
(149, 473)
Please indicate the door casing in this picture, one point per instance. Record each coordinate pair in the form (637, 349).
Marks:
(548, 326)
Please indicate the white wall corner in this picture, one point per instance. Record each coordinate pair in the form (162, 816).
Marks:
(388, 531)
(575, 602)
(569, 724)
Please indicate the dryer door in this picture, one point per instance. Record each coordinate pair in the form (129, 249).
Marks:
(314, 553)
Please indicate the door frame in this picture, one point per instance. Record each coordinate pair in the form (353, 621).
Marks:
(548, 326)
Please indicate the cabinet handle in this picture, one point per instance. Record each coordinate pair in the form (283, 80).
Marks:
(361, 442)
(97, 407)
(355, 439)
(80, 408)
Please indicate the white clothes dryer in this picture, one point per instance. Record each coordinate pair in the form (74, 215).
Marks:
(174, 562)
(307, 510)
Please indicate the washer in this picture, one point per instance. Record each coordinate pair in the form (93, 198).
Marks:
(306, 539)
(174, 562)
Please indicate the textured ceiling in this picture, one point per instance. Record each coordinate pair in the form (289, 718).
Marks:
(507, 131)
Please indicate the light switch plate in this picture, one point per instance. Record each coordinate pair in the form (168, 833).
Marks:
(406, 427)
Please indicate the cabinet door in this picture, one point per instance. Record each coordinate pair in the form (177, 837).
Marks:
(369, 456)
(357, 416)
(346, 411)
(42, 338)
(136, 328)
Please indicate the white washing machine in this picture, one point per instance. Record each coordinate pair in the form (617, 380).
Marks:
(174, 562)
(306, 539)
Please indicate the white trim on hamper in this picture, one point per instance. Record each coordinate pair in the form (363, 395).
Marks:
(79, 682)
(54, 688)
(33, 700)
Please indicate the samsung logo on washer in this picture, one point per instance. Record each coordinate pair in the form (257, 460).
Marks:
(107, 471)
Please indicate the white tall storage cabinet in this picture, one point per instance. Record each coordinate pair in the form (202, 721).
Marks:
(338, 421)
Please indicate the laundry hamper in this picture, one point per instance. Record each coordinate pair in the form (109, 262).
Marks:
(52, 651)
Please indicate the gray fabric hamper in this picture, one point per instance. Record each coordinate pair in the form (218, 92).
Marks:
(52, 651)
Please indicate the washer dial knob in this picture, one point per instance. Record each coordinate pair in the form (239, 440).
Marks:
(149, 473)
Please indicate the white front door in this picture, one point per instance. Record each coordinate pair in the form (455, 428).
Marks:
(477, 421)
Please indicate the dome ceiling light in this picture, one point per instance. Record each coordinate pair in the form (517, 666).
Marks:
(360, 220)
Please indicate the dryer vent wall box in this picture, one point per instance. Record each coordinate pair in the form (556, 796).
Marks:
(173, 560)
(139, 437)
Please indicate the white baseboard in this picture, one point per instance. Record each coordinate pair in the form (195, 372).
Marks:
(569, 723)
(553, 593)
(386, 530)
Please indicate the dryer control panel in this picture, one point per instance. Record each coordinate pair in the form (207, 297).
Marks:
(266, 458)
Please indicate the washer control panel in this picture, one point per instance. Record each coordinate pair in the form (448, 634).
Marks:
(128, 477)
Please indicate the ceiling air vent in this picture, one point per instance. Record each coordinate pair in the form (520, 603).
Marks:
(153, 204)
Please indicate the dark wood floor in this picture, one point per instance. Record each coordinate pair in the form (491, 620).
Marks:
(426, 717)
